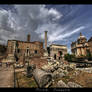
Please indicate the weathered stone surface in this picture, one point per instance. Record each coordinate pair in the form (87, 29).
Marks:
(76, 73)
(42, 78)
(51, 66)
(58, 74)
(65, 72)
(10, 58)
(55, 74)
(73, 85)
(30, 70)
(60, 70)
(61, 75)
(88, 70)
(48, 68)
(69, 68)
(61, 84)
(73, 65)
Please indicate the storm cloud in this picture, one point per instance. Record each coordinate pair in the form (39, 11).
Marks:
(63, 22)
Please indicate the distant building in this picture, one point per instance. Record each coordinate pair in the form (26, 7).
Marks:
(81, 47)
(57, 51)
(90, 44)
(25, 48)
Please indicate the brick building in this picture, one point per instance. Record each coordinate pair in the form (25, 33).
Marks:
(25, 48)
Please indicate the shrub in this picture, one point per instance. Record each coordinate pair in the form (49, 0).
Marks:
(3, 49)
(70, 57)
(89, 56)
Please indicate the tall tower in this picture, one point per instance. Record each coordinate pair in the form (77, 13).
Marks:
(46, 40)
(28, 38)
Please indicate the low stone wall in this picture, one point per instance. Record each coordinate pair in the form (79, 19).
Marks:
(88, 70)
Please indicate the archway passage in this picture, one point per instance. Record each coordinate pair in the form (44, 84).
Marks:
(60, 54)
(55, 56)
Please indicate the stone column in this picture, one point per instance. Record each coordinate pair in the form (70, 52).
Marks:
(46, 40)
(28, 37)
(83, 51)
(77, 52)
(80, 51)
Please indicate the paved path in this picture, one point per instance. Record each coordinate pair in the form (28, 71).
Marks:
(6, 77)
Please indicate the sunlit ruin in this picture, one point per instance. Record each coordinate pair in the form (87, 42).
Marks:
(56, 58)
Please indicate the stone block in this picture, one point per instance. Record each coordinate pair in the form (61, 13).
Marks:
(61, 84)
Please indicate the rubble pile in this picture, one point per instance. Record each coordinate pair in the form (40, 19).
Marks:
(39, 62)
(73, 85)
(48, 74)
(88, 70)
(51, 66)
(59, 70)
(61, 84)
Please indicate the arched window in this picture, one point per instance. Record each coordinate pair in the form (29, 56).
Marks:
(27, 49)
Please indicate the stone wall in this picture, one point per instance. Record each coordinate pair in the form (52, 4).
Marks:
(90, 45)
(54, 50)
(21, 48)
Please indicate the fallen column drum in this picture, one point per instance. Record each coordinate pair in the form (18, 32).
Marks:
(42, 78)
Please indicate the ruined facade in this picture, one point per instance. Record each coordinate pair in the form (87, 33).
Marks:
(25, 48)
(46, 40)
(81, 47)
(90, 44)
(45, 44)
(57, 51)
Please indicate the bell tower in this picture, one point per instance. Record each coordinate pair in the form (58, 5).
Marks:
(28, 38)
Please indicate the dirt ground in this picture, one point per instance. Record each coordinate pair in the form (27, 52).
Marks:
(25, 82)
(6, 77)
(83, 78)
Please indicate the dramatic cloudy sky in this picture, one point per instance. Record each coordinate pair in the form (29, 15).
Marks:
(63, 22)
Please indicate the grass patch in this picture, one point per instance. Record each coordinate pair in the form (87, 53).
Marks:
(25, 82)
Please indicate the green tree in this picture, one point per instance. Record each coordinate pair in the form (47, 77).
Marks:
(89, 55)
(3, 49)
(70, 57)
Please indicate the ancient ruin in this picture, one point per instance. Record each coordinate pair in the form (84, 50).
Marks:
(57, 51)
(23, 49)
(47, 61)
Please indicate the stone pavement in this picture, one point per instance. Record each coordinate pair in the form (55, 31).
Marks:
(6, 76)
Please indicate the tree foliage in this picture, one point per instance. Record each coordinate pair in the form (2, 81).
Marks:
(89, 56)
(3, 49)
(70, 57)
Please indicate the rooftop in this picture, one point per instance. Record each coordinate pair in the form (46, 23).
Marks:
(57, 45)
(26, 41)
(81, 36)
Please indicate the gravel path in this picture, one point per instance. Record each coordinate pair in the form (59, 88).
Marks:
(6, 77)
